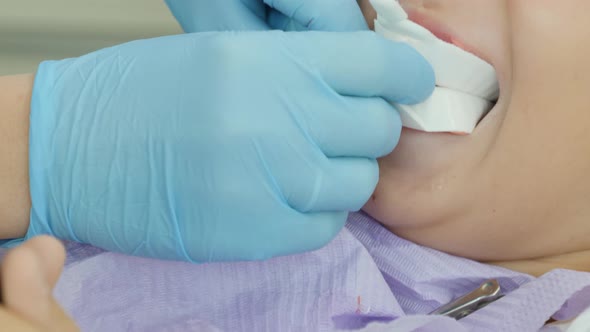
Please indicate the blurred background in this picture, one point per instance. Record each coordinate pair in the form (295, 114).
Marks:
(36, 30)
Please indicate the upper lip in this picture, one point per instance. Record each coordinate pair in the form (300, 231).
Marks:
(430, 23)
(441, 31)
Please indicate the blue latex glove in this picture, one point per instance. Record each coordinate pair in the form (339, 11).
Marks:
(288, 15)
(216, 146)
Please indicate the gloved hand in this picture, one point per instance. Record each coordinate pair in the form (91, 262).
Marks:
(216, 146)
(288, 15)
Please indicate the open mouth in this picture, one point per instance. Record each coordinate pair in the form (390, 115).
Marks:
(467, 82)
(441, 32)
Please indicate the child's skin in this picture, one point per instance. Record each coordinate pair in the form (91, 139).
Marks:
(28, 275)
(517, 190)
(15, 96)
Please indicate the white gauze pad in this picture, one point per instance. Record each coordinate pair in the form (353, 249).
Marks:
(466, 84)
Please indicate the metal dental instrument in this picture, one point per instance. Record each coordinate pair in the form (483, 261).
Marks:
(464, 306)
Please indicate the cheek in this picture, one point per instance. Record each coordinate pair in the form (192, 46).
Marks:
(423, 180)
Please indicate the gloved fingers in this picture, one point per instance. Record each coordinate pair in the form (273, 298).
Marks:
(357, 127)
(300, 232)
(275, 229)
(364, 64)
(205, 15)
(279, 21)
(321, 15)
(344, 184)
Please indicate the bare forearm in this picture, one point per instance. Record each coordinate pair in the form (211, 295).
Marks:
(15, 203)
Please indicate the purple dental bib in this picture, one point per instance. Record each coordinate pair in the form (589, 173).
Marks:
(365, 276)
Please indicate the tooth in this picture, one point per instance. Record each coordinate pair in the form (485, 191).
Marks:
(454, 68)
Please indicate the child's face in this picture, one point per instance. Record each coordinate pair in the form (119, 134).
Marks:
(519, 186)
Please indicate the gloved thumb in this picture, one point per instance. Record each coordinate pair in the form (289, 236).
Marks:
(318, 15)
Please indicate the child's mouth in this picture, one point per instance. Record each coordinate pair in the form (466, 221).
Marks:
(467, 85)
